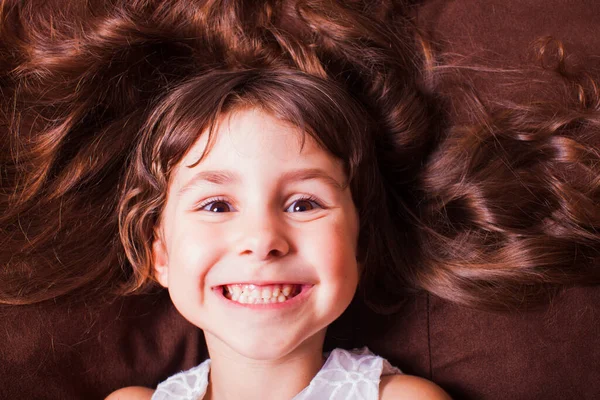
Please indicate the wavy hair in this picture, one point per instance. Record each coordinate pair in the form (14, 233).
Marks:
(101, 98)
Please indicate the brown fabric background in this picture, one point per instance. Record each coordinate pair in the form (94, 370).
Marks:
(79, 351)
(550, 353)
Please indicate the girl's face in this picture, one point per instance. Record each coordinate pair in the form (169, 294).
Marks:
(260, 216)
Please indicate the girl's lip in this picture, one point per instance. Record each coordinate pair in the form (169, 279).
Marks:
(299, 298)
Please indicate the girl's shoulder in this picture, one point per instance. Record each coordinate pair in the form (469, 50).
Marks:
(131, 393)
(401, 387)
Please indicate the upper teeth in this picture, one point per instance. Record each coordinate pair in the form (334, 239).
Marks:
(250, 293)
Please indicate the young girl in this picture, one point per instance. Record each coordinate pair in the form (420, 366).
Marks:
(254, 195)
(255, 234)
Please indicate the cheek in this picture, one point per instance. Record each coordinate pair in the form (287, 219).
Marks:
(193, 248)
(334, 251)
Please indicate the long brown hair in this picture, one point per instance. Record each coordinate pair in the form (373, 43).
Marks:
(489, 213)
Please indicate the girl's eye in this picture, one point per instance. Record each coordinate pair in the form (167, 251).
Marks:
(222, 206)
(303, 205)
(216, 206)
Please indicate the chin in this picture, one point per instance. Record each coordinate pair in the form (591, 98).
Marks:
(264, 348)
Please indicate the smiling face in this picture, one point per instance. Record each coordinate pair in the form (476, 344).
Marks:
(259, 209)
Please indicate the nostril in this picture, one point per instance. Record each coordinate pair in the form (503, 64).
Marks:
(275, 253)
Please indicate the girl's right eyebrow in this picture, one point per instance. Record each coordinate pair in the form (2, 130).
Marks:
(215, 177)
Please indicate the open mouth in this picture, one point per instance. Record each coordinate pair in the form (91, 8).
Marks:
(261, 294)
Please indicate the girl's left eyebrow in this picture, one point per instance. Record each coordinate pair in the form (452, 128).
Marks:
(228, 177)
(312, 173)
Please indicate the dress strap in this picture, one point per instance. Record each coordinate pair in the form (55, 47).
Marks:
(348, 374)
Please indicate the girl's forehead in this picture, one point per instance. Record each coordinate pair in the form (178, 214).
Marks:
(249, 132)
(254, 139)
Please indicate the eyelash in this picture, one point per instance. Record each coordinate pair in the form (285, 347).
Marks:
(209, 201)
(309, 198)
(212, 200)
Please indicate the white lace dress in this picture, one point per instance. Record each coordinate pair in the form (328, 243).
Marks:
(346, 375)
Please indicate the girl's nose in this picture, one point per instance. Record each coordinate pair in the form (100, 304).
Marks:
(263, 239)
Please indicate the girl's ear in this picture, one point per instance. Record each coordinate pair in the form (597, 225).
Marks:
(160, 260)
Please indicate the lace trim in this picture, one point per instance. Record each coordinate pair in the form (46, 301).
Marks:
(345, 375)
(186, 385)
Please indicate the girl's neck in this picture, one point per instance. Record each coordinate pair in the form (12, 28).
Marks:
(233, 376)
